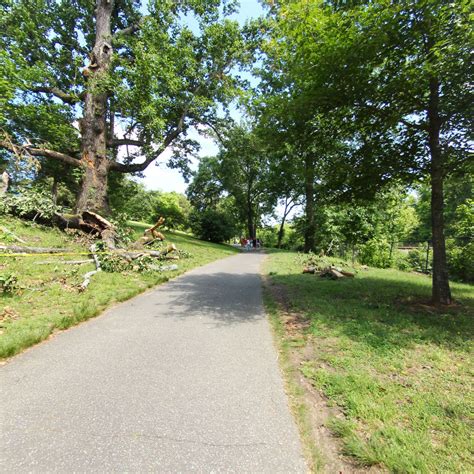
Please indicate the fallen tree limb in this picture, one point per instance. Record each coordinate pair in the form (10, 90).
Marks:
(65, 262)
(164, 268)
(88, 275)
(150, 253)
(11, 234)
(90, 223)
(17, 249)
(150, 235)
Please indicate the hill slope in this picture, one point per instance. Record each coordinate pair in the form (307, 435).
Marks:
(46, 296)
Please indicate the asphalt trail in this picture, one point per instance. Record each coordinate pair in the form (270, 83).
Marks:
(183, 378)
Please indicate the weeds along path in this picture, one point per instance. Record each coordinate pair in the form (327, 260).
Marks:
(182, 378)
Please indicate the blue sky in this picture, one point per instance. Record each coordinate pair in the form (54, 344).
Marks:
(159, 176)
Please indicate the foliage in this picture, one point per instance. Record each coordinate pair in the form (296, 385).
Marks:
(8, 283)
(133, 199)
(375, 253)
(29, 202)
(212, 225)
(461, 260)
(164, 79)
(174, 207)
(124, 232)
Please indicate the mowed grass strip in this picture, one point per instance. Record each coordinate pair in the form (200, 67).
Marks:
(49, 300)
(400, 371)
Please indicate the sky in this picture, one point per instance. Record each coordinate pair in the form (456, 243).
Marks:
(158, 176)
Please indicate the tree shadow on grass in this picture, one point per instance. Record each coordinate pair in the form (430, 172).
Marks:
(384, 313)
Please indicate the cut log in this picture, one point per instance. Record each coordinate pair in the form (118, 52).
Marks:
(150, 235)
(336, 274)
(311, 270)
(348, 274)
(330, 272)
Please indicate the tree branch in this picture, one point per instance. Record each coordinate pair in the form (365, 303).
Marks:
(137, 167)
(170, 137)
(129, 30)
(20, 150)
(116, 142)
(65, 97)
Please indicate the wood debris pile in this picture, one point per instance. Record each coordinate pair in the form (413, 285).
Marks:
(325, 267)
(334, 273)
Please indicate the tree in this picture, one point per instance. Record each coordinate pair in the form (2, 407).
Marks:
(174, 207)
(240, 170)
(148, 80)
(243, 171)
(394, 76)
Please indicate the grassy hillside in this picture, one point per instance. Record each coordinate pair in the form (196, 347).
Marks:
(399, 371)
(47, 296)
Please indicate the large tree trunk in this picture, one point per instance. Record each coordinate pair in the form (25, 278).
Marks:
(441, 292)
(93, 192)
(310, 227)
(250, 227)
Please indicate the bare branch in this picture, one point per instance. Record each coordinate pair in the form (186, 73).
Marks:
(65, 97)
(130, 29)
(417, 126)
(30, 150)
(116, 142)
(216, 131)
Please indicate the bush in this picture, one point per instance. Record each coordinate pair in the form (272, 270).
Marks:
(8, 283)
(402, 262)
(417, 259)
(375, 253)
(212, 225)
(460, 261)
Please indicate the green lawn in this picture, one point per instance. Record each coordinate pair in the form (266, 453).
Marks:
(400, 371)
(48, 298)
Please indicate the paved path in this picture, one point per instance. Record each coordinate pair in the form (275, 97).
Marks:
(183, 378)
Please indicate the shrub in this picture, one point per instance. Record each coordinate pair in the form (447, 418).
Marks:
(460, 261)
(212, 225)
(375, 253)
(8, 283)
(402, 262)
(417, 259)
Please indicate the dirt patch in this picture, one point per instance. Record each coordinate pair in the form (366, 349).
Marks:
(318, 412)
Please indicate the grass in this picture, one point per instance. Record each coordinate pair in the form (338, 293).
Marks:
(294, 391)
(399, 370)
(48, 299)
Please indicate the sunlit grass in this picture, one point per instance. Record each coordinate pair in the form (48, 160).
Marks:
(400, 371)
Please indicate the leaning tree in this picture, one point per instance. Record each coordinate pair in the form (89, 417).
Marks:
(109, 87)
